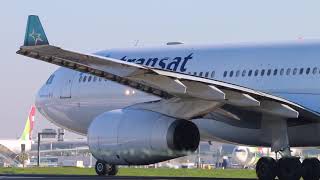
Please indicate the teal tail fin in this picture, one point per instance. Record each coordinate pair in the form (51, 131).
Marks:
(35, 34)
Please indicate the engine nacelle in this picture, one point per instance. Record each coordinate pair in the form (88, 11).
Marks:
(139, 137)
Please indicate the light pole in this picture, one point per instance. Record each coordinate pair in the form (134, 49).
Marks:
(199, 157)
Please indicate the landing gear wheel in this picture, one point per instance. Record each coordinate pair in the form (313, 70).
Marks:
(113, 170)
(101, 168)
(289, 168)
(311, 169)
(266, 168)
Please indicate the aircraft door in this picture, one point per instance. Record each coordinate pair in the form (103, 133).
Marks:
(66, 88)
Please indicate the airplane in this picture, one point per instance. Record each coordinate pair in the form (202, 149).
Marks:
(145, 105)
(25, 140)
(247, 157)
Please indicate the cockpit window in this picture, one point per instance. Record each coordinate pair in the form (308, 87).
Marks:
(49, 81)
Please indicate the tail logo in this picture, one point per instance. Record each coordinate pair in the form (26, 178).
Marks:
(36, 37)
(27, 132)
(35, 34)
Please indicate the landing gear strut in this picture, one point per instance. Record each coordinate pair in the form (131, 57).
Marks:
(103, 169)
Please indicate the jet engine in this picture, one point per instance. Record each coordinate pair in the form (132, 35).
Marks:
(140, 137)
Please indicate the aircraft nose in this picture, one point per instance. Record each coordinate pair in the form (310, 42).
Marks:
(38, 99)
(41, 97)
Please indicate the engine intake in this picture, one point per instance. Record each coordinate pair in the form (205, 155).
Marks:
(183, 135)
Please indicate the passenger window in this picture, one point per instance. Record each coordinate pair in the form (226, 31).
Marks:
(200, 74)
(94, 78)
(269, 72)
(80, 79)
(288, 71)
(238, 73)
(212, 74)
(262, 72)
(84, 78)
(301, 71)
(189, 73)
(308, 70)
(256, 72)
(244, 73)
(207, 74)
(282, 72)
(275, 72)
(314, 71)
(225, 74)
(195, 73)
(231, 73)
(100, 79)
(294, 71)
(89, 79)
(250, 73)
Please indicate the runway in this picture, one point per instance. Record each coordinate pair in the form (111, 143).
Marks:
(59, 177)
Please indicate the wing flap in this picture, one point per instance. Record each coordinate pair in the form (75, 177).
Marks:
(278, 109)
(204, 91)
(241, 99)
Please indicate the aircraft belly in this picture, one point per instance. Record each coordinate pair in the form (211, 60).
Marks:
(299, 136)
(213, 129)
(77, 118)
(76, 114)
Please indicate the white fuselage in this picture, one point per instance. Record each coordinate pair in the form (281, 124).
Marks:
(290, 70)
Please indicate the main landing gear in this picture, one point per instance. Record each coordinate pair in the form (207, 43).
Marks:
(288, 168)
(103, 169)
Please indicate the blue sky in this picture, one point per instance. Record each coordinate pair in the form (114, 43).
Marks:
(94, 25)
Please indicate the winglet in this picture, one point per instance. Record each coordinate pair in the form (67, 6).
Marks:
(35, 34)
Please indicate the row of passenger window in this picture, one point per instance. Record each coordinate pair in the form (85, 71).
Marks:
(269, 72)
(90, 79)
(238, 73)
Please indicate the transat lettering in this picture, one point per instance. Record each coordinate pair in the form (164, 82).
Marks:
(173, 64)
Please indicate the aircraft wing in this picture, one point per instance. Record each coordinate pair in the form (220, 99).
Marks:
(184, 96)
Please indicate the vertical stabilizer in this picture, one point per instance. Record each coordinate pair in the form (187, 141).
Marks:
(35, 34)
(27, 132)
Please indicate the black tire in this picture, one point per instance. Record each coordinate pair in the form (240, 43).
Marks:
(101, 168)
(266, 168)
(289, 168)
(113, 170)
(311, 169)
